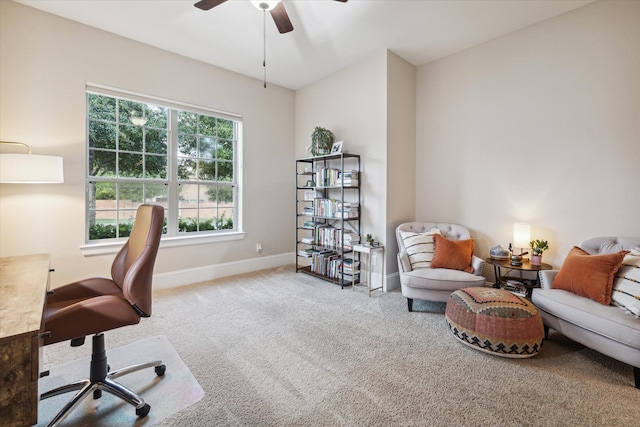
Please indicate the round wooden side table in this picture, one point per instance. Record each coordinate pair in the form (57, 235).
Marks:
(502, 280)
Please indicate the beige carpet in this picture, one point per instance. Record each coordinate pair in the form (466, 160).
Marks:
(279, 348)
(168, 394)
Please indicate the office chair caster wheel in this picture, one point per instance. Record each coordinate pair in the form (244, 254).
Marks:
(142, 412)
(160, 370)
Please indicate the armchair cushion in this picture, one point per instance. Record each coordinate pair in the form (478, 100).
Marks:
(588, 275)
(455, 255)
(419, 247)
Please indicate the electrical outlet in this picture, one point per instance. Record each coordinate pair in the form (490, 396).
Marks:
(259, 248)
(374, 260)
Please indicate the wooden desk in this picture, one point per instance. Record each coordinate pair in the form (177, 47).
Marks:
(24, 281)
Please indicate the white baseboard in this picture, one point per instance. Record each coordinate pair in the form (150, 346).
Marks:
(174, 279)
(392, 282)
(202, 274)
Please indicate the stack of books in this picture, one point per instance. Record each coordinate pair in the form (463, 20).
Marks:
(351, 268)
(307, 253)
(311, 224)
(346, 210)
(348, 178)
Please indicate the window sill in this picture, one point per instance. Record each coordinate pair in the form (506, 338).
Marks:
(95, 249)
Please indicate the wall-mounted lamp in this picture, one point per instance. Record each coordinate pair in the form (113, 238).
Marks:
(17, 168)
(521, 239)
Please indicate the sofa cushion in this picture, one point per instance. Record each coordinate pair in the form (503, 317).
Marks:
(452, 254)
(589, 276)
(626, 286)
(608, 321)
(419, 247)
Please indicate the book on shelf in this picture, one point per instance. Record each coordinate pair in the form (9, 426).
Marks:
(324, 208)
(307, 253)
(349, 277)
(333, 237)
(346, 205)
(347, 213)
(327, 177)
(348, 178)
(311, 224)
(320, 261)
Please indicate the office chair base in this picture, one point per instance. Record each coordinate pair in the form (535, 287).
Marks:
(101, 380)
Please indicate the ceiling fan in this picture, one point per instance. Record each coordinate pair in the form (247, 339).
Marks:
(275, 7)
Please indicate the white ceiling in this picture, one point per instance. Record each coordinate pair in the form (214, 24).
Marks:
(328, 35)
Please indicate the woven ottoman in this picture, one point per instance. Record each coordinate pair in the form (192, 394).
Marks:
(495, 321)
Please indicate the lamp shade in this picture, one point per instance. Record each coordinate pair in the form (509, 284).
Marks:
(521, 235)
(30, 169)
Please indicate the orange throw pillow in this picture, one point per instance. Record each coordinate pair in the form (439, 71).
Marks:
(588, 275)
(452, 254)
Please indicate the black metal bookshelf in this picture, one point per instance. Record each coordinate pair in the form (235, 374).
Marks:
(328, 214)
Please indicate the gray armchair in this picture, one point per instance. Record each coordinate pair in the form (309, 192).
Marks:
(434, 284)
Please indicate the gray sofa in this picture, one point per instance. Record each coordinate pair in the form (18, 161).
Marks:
(606, 329)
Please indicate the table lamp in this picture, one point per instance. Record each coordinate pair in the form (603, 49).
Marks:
(521, 238)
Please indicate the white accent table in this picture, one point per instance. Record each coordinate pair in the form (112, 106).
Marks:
(368, 251)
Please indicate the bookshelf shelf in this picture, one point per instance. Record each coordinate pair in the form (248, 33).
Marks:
(328, 216)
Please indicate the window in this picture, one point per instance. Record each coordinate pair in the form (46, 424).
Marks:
(148, 151)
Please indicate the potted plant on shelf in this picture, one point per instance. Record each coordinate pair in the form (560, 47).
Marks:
(369, 239)
(321, 141)
(537, 248)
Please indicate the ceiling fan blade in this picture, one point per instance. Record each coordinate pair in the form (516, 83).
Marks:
(343, 1)
(208, 4)
(281, 19)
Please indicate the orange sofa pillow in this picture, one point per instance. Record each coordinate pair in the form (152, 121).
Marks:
(588, 275)
(452, 254)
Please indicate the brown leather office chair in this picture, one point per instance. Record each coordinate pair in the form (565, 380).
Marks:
(95, 305)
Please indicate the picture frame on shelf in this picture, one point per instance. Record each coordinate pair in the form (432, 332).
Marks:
(336, 148)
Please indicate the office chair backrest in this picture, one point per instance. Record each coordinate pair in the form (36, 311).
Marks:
(132, 269)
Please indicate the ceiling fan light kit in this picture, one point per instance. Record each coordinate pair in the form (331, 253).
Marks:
(265, 5)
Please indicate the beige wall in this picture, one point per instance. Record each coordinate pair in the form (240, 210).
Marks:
(371, 106)
(351, 104)
(401, 152)
(540, 126)
(45, 62)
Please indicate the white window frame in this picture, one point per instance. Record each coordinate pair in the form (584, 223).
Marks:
(91, 248)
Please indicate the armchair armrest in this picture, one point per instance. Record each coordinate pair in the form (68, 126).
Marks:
(478, 265)
(404, 264)
(547, 277)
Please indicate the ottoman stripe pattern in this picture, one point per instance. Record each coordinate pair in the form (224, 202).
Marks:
(495, 321)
